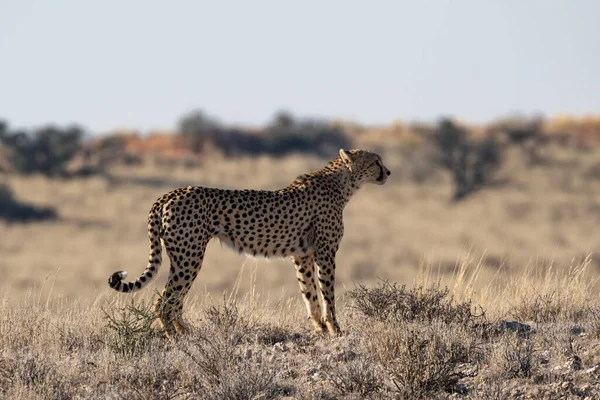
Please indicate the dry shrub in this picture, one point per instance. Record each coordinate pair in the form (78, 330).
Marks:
(224, 373)
(228, 321)
(6, 374)
(246, 381)
(594, 320)
(223, 370)
(317, 393)
(422, 359)
(270, 334)
(514, 356)
(214, 348)
(539, 308)
(357, 376)
(393, 303)
(491, 389)
(34, 376)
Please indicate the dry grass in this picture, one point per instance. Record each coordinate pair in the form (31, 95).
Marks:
(248, 348)
(542, 214)
(522, 251)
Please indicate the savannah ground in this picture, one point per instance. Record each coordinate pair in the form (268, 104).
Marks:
(521, 250)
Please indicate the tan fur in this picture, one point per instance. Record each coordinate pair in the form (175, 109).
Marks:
(303, 221)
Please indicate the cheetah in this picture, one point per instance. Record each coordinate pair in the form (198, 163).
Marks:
(303, 221)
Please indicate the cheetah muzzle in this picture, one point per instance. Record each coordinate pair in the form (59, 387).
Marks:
(303, 221)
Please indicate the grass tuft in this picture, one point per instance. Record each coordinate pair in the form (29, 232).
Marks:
(128, 329)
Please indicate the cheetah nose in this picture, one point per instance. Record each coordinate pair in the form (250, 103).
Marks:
(388, 173)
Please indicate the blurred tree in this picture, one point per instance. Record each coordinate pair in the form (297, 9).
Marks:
(45, 150)
(287, 134)
(3, 128)
(472, 164)
(283, 120)
(196, 128)
(284, 135)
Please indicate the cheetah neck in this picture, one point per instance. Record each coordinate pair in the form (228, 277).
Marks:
(335, 173)
(344, 178)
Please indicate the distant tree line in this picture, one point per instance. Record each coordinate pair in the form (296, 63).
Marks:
(284, 135)
(471, 161)
(48, 149)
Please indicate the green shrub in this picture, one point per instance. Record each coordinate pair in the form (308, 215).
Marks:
(128, 329)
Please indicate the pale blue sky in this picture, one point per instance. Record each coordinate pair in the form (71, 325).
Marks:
(142, 64)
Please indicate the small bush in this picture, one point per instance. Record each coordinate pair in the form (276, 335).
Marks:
(34, 375)
(546, 307)
(128, 329)
(214, 348)
(392, 303)
(227, 321)
(246, 381)
(514, 356)
(538, 308)
(271, 334)
(422, 359)
(356, 377)
(224, 372)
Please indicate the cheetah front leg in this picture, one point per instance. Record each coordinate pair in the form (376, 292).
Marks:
(305, 271)
(325, 259)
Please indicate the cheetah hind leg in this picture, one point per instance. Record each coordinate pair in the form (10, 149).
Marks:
(164, 317)
(181, 327)
(167, 328)
(173, 327)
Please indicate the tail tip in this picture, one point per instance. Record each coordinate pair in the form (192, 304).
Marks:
(116, 278)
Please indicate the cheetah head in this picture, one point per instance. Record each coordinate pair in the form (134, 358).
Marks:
(365, 166)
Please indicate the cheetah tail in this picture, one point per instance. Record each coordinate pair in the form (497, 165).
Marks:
(154, 260)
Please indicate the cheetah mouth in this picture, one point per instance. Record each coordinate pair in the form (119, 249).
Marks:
(381, 177)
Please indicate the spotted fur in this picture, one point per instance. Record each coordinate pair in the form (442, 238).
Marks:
(303, 221)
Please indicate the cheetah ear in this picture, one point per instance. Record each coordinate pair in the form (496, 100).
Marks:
(345, 156)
